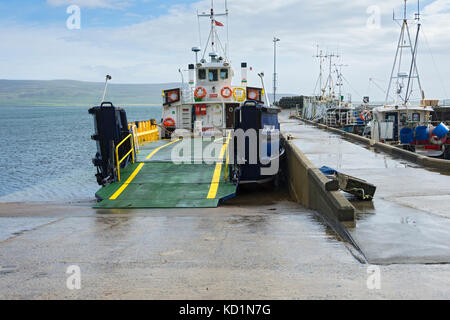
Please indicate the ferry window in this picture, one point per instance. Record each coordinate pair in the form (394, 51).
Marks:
(416, 117)
(223, 73)
(202, 74)
(213, 75)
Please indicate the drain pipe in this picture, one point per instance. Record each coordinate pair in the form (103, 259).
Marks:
(108, 77)
(261, 75)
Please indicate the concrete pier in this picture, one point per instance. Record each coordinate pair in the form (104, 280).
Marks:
(258, 246)
(409, 219)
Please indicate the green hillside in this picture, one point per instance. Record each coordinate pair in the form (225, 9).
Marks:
(77, 93)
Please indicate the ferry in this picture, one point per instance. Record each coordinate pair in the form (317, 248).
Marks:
(203, 147)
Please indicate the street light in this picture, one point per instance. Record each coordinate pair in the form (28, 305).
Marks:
(275, 40)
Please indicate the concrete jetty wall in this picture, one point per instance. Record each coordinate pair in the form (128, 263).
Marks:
(309, 187)
(407, 155)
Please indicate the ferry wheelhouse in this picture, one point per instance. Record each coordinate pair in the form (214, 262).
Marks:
(207, 104)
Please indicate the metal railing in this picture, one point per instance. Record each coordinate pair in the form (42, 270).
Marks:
(118, 162)
(145, 131)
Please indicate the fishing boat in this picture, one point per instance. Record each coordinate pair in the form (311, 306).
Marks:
(328, 106)
(202, 149)
(402, 123)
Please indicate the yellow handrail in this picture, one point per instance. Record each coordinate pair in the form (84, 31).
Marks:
(146, 131)
(123, 159)
(227, 161)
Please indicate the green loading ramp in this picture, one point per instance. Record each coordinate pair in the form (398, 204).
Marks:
(164, 184)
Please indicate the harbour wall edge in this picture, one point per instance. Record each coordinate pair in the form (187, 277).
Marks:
(404, 154)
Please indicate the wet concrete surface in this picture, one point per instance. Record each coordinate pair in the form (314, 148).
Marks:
(409, 219)
(260, 245)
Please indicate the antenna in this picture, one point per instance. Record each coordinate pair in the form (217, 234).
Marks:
(404, 16)
(418, 11)
(196, 50)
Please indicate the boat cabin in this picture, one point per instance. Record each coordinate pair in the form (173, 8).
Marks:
(389, 121)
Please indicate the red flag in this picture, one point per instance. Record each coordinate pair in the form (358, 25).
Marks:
(219, 24)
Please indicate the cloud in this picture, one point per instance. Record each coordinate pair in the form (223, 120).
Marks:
(152, 51)
(437, 7)
(110, 4)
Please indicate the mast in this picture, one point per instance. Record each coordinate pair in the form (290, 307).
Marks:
(319, 81)
(330, 82)
(405, 42)
(213, 38)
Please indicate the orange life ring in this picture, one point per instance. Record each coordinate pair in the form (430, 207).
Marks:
(169, 122)
(365, 115)
(200, 96)
(228, 89)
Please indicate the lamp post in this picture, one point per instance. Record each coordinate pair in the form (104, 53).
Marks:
(275, 40)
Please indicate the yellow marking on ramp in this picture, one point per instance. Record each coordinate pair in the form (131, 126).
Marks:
(138, 169)
(125, 185)
(218, 171)
(158, 149)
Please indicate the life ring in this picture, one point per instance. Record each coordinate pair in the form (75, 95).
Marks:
(365, 115)
(226, 92)
(197, 93)
(169, 122)
(240, 97)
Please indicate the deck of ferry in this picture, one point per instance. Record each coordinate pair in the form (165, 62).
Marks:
(173, 174)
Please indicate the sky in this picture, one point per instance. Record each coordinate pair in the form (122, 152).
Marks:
(148, 41)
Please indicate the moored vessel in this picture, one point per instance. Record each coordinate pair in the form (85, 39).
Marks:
(402, 123)
(212, 137)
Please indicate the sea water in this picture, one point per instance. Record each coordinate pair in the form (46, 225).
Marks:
(46, 152)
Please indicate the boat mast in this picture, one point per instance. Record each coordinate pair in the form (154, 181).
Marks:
(330, 82)
(319, 81)
(339, 79)
(213, 38)
(404, 42)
